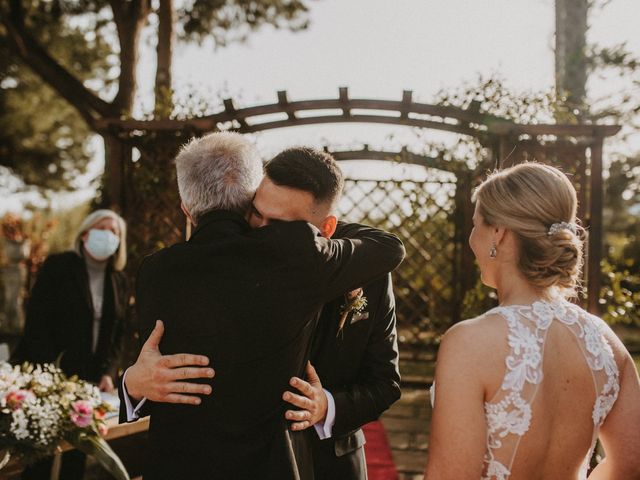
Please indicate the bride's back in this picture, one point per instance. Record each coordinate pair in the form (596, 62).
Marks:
(559, 383)
(524, 390)
(561, 430)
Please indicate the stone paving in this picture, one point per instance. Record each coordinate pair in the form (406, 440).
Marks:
(407, 426)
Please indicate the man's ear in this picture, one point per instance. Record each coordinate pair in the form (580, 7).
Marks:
(328, 226)
(186, 212)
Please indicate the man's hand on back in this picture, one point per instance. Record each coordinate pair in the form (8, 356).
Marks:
(313, 401)
(162, 378)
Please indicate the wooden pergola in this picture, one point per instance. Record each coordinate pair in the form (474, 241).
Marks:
(577, 145)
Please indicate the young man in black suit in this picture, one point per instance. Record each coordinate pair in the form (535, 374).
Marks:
(354, 352)
(249, 301)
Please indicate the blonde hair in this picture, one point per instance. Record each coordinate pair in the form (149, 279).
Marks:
(528, 199)
(218, 171)
(119, 258)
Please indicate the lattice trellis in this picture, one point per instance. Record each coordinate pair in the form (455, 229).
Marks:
(152, 202)
(421, 213)
(434, 224)
(582, 142)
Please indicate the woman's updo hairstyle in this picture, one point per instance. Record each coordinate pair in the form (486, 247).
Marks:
(529, 199)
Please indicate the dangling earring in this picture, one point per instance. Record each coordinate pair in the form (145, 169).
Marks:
(493, 253)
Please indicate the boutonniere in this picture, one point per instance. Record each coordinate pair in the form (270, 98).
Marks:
(355, 302)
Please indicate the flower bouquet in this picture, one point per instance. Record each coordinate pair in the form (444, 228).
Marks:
(40, 407)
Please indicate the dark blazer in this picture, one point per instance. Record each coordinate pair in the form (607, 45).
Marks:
(60, 319)
(249, 300)
(359, 366)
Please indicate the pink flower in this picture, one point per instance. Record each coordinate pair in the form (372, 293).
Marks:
(16, 398)
(82, 414)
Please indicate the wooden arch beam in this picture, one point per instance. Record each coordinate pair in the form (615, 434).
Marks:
(404, 112)
(402, 156)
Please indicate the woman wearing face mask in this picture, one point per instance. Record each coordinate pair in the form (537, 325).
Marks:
(76, 311)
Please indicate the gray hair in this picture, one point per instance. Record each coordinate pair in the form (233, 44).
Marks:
(119, 258)
(220, 171)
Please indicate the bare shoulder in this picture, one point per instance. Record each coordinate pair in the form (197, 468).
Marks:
(620, 352)
(479, 342)
(478, 331)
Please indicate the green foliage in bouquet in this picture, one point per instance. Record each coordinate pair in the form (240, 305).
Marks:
(40, 408)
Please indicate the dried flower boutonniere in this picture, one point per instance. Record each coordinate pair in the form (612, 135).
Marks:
(355, 302)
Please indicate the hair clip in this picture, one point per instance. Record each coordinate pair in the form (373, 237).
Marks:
(556, 227)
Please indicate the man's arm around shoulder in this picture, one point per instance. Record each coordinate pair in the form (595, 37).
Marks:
(339, 265)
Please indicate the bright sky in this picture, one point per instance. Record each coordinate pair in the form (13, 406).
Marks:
(378, 48)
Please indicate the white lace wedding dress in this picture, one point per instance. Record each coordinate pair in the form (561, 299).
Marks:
(509, 413)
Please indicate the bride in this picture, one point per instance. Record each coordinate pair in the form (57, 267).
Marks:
(525, 390)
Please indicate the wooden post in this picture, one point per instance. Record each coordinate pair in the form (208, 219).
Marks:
(230, 109)
(117, 154)
(56, 465)
(463, 268)
(502, 152)
(344, 100)
(581, 170)
(406, 104)
(594, 280)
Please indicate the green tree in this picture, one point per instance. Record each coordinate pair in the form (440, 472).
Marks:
(108, 92)
(43, 139)
(576, 62)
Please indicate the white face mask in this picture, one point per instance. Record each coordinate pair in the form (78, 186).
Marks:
(101, 244)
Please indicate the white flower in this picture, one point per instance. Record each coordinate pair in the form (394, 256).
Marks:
(41, 418)
(496, 470)
(19, 424)
(512, 415)
(544, 314)
(523, 365)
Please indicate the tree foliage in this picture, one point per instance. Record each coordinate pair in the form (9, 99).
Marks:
(83, 54)
(621, 260)
(43, 139)
(621, 266)
(225, 21)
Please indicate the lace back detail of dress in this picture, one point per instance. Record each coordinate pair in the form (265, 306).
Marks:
(509, 413)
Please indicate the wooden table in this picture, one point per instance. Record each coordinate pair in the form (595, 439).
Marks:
(13, 469)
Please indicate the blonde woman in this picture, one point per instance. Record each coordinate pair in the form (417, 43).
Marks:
(76, 313)
(525, 390)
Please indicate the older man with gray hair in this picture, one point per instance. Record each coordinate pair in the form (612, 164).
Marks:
(217, 172)
(249, 301)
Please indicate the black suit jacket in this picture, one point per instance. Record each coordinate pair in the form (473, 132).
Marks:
(359, 366)
(60, 319)
(249, 300)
